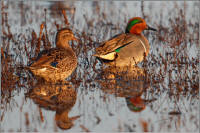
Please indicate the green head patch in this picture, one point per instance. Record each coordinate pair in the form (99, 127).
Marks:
(131, 24)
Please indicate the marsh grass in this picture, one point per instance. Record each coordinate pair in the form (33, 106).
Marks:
(168, 69)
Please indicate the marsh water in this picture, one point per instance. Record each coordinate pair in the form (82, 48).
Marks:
(96, 97)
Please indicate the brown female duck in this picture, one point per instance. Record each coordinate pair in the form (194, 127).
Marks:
(56, 64)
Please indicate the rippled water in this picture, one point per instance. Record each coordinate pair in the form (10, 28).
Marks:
(165, 87)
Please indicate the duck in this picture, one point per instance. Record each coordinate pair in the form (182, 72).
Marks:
(126, 49)
(56, 64)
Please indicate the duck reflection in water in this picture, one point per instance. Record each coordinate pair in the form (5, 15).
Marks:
(59, 98)
(135, 104)
(129, 83)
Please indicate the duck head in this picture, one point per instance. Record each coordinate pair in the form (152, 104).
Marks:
(62, 119)
(136, 25)
(63, 37)
(135, 104)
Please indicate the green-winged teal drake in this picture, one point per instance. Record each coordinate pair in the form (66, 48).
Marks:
(128, 48)
(56, 64)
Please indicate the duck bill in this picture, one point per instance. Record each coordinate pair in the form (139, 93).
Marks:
(75, 39)
(150, 28)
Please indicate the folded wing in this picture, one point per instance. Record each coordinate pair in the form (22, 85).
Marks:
(108, 50)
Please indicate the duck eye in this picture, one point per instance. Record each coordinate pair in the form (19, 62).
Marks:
(65, 36)
(132, 23)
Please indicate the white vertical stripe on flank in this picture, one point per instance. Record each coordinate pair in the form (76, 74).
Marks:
(143, 46)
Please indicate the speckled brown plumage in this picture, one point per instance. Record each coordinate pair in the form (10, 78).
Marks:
(58, 63)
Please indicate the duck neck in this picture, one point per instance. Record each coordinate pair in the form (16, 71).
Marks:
(134, 32)
(64, 45)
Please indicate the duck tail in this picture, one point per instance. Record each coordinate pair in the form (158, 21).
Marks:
(23, 72)
(23, 67)
(96, 55)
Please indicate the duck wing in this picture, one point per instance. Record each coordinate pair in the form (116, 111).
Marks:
(50, 58)
(108, 49)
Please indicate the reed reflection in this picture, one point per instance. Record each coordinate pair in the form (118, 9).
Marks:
(56, 8)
